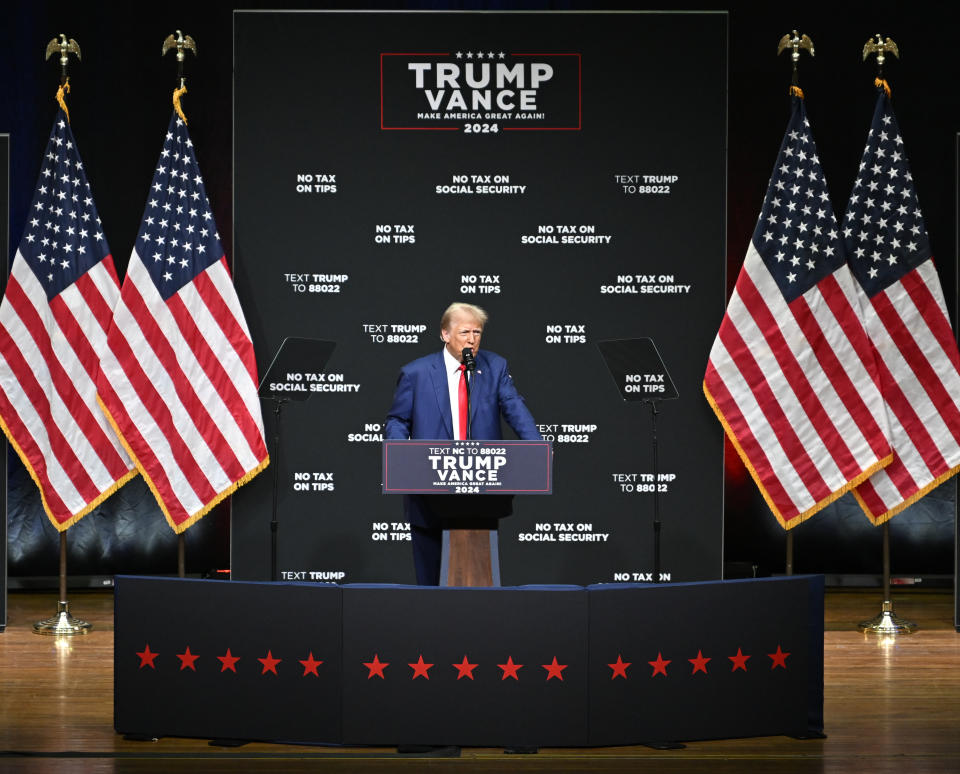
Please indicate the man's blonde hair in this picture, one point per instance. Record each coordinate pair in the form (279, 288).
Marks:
(463, 308)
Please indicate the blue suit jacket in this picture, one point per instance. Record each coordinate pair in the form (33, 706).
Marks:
(421, 409)
(421, 401)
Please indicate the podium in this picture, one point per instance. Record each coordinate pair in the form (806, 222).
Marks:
(468, 486)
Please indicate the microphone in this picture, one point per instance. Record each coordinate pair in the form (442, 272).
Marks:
(468, 360)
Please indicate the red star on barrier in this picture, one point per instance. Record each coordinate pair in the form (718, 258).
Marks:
(187, 660)
(699, 663)
(420, 669)
(619, 668)
(659, 666)
(229, 661)
(510, 669)
(739, 661)
(555, 669)
(779, 659)
(310, 665)
(147, 657)
(376, 667)
(465, 668)
(269, 663)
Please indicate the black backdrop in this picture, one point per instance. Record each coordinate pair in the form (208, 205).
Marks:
(598, 216)
(121, 106)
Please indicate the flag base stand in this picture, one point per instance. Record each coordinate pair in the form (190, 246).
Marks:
(62, 624)
(887, 622)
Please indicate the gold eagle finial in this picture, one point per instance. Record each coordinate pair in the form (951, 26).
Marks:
(181, 42)
(65, 47)
(881, 46)
(796, 42)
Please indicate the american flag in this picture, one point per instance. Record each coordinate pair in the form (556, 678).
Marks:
(53, 329)
(179, 379)
(791, 374)
(906, 319)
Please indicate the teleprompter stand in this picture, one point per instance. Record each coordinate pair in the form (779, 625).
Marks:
(641, 376)
(284, 382)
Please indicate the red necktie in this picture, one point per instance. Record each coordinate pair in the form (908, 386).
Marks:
(463, 401)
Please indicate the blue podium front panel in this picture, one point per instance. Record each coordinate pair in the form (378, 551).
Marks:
(227, 660)
(705, 660)
(514, 667)
(506, 666)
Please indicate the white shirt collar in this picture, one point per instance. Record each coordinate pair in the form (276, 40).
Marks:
(449, 361)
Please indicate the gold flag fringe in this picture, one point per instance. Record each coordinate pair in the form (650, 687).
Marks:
(886, 516)
(63, 526)
(796, 91)
(195, 517)
(886, 86)
(819, 506)
(64, 88)
(177, 93)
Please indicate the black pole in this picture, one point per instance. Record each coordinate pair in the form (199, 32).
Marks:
(63, 566)
(886, 561)
(274, 524)
(656, 495)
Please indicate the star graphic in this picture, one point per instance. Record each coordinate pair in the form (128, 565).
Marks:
(619, 668)
(739, 661)
(699, 663)
(147, 657)
(420, 669)
(376, 667)
(779, 658)
(269, 663)
(229, 661)
(660, 665)
(310, 665)
(510, 669)
(555, 670)
(187, 660)
(465, 668)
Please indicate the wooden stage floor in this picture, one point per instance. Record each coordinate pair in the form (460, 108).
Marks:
(889, 707)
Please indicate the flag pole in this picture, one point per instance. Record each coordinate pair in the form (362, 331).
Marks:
(181, 556)
(795, 43)
(181, 42)
(886, 621)
(62, 623)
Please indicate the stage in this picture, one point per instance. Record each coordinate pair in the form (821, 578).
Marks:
(887, 707)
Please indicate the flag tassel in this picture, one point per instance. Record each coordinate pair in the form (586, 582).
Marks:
(177, 94)
(64, 89)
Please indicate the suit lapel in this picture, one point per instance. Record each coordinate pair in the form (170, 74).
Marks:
(441, 388)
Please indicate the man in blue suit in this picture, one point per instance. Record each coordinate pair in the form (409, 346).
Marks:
(427, 404)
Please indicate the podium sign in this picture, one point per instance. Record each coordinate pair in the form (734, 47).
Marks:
(467, 467)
